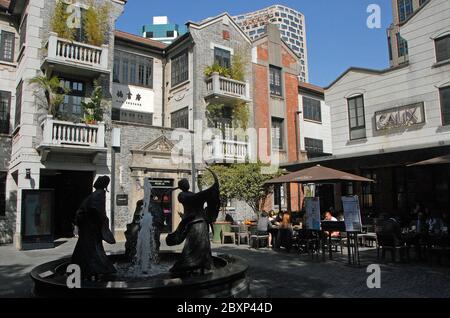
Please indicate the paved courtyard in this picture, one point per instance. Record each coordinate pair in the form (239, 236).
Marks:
(273, 274)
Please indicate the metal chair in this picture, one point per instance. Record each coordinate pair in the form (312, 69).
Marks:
(254, 236)
(242, 234)
(228, 234)
(388, 242)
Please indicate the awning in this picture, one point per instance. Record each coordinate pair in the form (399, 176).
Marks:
(318, 174)
(434, 161)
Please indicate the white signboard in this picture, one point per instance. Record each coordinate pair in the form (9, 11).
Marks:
(352, 214)
(398, 117)
(312, 213)
(133, 98)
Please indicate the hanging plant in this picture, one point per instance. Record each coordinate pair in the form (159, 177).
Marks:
(58, 23)
(96, 23)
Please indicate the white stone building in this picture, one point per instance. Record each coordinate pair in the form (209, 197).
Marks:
(384, 121)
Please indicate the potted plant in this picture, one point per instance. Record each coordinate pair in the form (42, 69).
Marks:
(53, 92)
(93, 109)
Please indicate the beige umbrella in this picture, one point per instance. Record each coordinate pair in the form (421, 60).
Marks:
(318, 174)
(434, 161)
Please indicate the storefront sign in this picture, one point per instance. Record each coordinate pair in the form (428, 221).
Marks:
(161, 183)
(134, 98)
(37, 219)
(352, 214)
(312, 213)
(122, 200)
(398, 117)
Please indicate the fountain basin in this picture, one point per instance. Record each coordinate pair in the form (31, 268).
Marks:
(228, 279)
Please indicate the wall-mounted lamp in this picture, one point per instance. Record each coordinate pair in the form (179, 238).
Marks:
(28, 174)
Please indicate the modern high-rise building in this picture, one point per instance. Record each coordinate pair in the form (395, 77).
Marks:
(402, 11)
(163, 31)
(291, 24)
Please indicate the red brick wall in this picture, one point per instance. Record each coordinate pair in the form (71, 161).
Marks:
(261, 107)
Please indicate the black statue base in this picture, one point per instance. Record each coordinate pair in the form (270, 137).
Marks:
(228, 279)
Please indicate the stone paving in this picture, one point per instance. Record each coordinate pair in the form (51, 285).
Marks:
(273, 274)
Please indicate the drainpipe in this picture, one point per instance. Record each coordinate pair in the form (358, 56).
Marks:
(297, 140)
(163, 106)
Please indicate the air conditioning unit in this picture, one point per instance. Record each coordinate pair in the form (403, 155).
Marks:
(115, 142)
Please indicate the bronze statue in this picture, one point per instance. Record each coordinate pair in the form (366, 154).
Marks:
(93, 225)
(194, 227)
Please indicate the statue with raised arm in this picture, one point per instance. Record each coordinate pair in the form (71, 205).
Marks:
(93, 225)
(194, 227)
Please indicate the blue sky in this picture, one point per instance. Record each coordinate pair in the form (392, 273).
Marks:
(337, 34)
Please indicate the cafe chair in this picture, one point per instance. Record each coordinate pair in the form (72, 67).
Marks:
(254, 237)
(224, 235)
(388, 242)
(242, 234)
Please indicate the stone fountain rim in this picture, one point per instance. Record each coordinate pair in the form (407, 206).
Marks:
(234, 268)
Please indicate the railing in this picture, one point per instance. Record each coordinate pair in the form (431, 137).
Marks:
(56, 132)
(219, 85)
(78, 53)
(227, 150)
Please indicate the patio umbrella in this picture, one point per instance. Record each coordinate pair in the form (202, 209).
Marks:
(318, 174)
(434, 161)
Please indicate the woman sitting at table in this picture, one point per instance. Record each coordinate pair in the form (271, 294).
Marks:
(285, 233)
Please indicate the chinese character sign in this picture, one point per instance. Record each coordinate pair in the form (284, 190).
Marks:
(312, 213)
(352, 214)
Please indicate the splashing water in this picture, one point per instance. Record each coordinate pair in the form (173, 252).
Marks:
(145, 262)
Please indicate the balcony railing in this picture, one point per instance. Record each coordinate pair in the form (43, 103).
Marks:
(220, 86)
(76, 53)
(219, 150)
(62, 133)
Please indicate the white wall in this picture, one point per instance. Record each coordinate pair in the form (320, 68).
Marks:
(315, 130)
(417, 82)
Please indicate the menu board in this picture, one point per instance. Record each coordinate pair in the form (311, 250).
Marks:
(312, 213)
(352, 214)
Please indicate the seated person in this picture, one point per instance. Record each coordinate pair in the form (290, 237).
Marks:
(330, 217)
(435, 223)
(285, 232)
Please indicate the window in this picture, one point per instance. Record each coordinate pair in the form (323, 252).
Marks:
(23, 32)
(277, 133)
(369, 190)
(279, 196)
(2, 193)
(131, 69)
(5, 106)
(149, 35)
(356, 117)
(311, 109)
(18, 112)
(275, 81)
(71, 107)
(402, 46)
(170, 34)
(180, 68)
(442, 48)
(445, 105)
(180, 118)
(405, 9)
(132, 117)
(7, 46)
(314, 147)
(222, 57)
